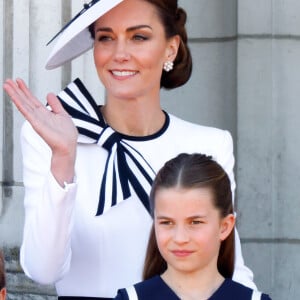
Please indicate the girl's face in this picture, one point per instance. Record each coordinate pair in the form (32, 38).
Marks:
(130, 48)
(189, 229)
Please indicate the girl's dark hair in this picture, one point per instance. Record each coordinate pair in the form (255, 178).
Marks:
(173, 19)
(193, 171)
(2, 271)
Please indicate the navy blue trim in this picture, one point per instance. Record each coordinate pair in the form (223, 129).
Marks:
(88, 133)
(82, 298)
(146, 175)
(151, 136)
(76, 114)
(122, 166)
(114, 185)
(91, 100)
(72, 95)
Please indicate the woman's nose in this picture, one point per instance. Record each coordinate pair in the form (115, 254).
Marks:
(121, 51)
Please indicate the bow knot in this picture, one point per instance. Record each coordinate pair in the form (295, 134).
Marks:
(126, 170)
(108, 138)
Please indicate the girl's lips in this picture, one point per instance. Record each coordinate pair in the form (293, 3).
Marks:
(182, 253)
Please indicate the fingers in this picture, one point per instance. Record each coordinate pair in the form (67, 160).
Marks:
(20, 93)
(27, 93)
(53, 126)
(55, 104)
(17, 96)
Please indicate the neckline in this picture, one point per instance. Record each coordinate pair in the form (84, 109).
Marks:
(216, 292)
(146, 137)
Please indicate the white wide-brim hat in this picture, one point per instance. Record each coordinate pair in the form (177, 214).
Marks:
(75, 39)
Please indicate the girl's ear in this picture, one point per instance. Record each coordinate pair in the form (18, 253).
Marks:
(227, 225)
(172, 48)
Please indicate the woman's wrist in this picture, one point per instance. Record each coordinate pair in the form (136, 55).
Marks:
(63, 168)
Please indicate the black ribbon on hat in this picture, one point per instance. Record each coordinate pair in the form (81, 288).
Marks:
(125, 167)
(86, 6)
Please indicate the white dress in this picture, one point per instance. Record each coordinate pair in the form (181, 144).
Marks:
(64, 241)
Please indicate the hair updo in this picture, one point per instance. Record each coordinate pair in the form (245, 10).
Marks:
(174, 19)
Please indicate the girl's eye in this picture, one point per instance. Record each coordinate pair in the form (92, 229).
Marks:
(165, 223)
(196, 222)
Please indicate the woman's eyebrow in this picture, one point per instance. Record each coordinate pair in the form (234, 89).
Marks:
(133, 28)
(138, 27)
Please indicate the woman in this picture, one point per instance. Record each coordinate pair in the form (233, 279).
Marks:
(86, 203)
(191, 247)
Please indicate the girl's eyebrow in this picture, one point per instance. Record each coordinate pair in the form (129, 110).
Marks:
(198, 216)
(133, 28)
(190, 217)
(163, 217)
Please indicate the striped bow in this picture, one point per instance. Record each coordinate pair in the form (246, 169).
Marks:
(125, 167)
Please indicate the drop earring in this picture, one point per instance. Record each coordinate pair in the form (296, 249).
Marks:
(168, 66)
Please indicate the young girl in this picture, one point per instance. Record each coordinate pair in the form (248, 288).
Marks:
(191, 248)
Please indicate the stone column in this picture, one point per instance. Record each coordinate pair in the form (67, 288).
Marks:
(268, 141)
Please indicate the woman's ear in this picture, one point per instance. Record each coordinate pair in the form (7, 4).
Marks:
(172, 48)
(226, 226)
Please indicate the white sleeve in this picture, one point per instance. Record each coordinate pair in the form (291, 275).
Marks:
(242, 273)
(256, 295)
(226, 158)
(46, 247)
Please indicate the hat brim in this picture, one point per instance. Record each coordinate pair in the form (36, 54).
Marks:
(76, 38)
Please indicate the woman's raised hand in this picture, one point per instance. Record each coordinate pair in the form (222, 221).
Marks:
(55, 126)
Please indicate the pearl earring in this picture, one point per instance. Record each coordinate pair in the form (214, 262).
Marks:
(168, 66)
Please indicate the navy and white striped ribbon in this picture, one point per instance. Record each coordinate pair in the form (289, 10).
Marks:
(125, 167)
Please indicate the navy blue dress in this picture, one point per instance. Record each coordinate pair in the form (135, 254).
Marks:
(156, 289)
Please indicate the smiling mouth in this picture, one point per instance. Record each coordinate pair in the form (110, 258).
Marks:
(123, 73)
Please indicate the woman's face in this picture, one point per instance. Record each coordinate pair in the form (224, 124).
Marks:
(189, 229)
(130, 49)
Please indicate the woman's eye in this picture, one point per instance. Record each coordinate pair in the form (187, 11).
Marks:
(104, 38)
(139, 37)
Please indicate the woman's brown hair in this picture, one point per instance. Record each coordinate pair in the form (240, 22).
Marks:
(193, 171)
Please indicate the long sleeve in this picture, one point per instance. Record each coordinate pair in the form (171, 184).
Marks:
(242, 273)
(224, 156)
(46, 249)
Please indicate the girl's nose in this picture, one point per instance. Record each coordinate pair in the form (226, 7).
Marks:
(180, 234)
